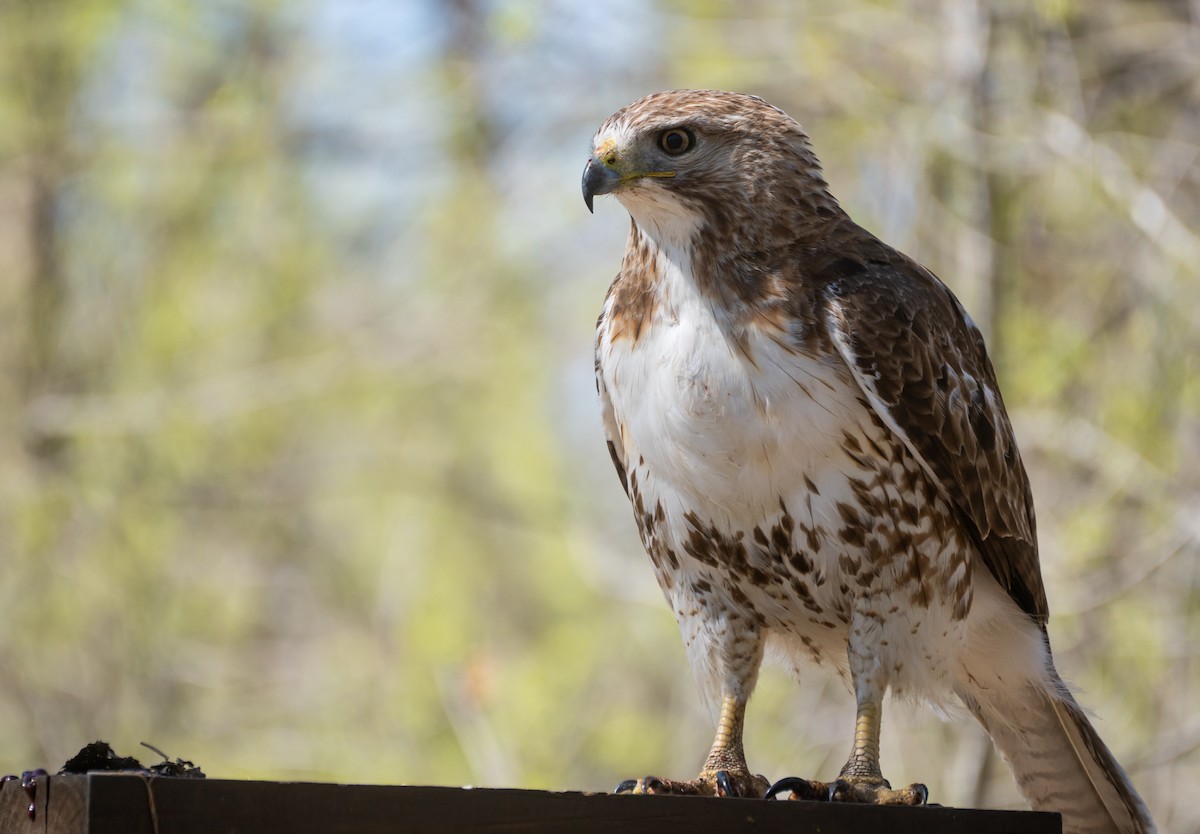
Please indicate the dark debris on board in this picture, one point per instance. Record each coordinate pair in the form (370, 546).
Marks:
(98, 757)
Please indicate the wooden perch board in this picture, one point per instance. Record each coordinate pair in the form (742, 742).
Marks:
(103, 803)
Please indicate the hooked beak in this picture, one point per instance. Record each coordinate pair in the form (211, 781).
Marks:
(598, 179)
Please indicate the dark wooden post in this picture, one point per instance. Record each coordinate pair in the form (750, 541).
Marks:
(103, 803)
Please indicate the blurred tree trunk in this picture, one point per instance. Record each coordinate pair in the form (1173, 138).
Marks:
(46, 64)
(472, 131)
(1001, 190)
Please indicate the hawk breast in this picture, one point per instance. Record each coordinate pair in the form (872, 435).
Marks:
(767, 488)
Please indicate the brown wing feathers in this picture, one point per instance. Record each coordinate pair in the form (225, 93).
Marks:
(921, 361)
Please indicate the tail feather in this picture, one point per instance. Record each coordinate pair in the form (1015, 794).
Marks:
(1059, 761)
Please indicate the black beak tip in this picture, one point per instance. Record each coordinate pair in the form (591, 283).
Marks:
(588, 194)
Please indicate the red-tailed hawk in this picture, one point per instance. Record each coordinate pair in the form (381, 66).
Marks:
(810, 432)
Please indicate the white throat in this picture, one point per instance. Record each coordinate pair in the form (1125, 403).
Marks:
(660, 216)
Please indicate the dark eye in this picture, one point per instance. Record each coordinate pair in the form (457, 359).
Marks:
(676, 140)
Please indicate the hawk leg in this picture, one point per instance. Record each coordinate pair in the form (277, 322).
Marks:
(861, 779)
(725, 771)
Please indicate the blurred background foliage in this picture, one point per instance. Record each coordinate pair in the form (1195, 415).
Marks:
(301, 475)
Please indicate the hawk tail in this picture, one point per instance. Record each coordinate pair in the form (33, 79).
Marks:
(1059, 760)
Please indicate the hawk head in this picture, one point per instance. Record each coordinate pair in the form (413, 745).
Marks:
(682, 160)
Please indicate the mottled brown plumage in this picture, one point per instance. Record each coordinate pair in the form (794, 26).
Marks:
(818, 456)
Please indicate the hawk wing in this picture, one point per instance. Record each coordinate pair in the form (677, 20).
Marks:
(922, 365)
(612, 430)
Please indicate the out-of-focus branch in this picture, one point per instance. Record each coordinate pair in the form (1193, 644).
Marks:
(1143, 205)
(1124, 472)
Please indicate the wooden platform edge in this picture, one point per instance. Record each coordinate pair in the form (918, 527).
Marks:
(101, 803)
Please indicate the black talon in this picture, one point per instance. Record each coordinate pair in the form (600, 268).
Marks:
(921, 791)
(800, 787)
(626, 787)
(836, 787)
(724, 786)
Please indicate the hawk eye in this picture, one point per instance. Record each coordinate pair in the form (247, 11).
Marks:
(676, 140)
